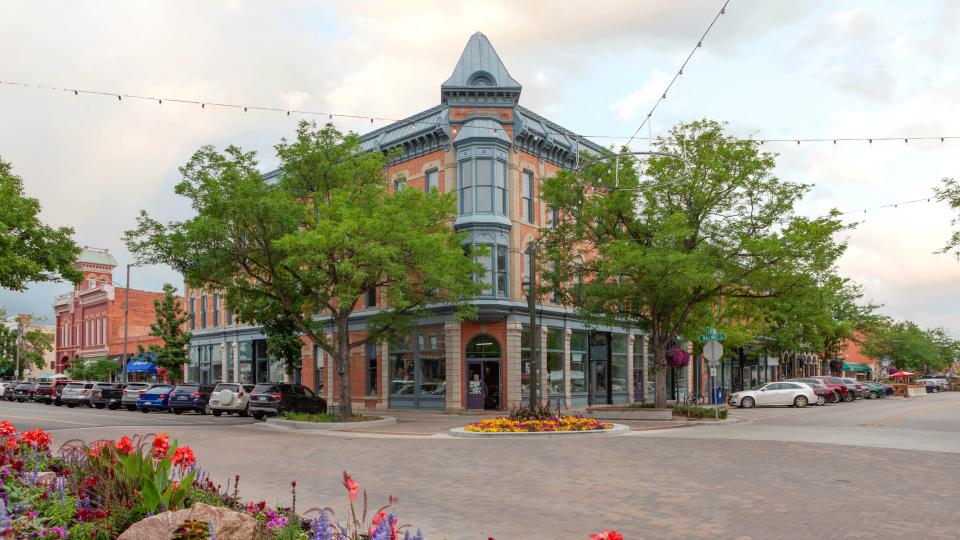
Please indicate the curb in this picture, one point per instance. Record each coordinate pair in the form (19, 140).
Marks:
(617, 429)
(279, 423)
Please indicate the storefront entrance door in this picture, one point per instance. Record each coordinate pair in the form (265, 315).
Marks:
(476, 389)
(483, 373)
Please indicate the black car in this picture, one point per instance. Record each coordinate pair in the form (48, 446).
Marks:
(190, 397)
(109, 395)
(24, 391)
(273, 399)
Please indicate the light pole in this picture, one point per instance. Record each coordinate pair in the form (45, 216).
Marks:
(126, 315)
(19, 342)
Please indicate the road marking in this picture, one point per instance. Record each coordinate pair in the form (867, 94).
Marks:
(909, 414)
(55, 421)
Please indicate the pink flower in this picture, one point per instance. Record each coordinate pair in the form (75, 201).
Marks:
(352, 488)
(607, 535)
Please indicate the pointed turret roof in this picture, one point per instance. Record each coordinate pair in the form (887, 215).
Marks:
(480, 71)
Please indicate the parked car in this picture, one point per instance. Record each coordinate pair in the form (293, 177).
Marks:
(49, 391)
(230, 398)
(878, 389)
(77, 393)
(109, 395)
(837, 384)
(792, 394)
(8, 390)
(273, 399)
(132, 392)
(190, 397)
(156, 398)
(857, 387)
(823, 393)
(24, 391)
(932, 386)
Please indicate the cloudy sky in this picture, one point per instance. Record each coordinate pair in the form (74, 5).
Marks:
(770, 69)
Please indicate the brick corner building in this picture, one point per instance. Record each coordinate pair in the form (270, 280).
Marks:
(89, 319)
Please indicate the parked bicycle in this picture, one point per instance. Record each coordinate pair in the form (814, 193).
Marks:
(694, 399)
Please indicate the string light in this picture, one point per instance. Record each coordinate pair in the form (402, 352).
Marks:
(331, 116)
(890, 205)
(723, 10)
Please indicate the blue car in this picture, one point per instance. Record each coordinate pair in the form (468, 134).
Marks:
(157, 398)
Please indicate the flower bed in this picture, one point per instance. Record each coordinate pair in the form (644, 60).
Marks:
(558, 424)
(325, 418)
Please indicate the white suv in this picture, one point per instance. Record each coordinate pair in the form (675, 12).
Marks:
(230, 398)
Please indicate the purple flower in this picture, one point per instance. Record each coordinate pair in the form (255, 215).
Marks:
(277, 522)
(320, 528)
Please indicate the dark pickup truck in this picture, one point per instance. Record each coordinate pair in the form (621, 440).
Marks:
(109, 395)
(49, 392)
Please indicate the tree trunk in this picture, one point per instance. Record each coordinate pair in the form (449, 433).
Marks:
(659, 372)
(345, 409)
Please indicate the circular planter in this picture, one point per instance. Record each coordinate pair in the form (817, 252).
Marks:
(617, 429)
(324, 426)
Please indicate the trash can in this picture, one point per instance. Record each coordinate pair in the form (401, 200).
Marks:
(718, 395)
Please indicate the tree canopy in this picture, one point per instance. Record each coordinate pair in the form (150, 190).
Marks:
(669, 248)
(309, 242)
(912, 348)
(34, 345)
(30, 250)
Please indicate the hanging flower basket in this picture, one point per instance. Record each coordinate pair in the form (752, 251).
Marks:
(678, 358)
(836, 365)
(892, 369)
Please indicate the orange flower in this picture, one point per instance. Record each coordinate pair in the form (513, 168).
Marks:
(160, 446)
(124, 445)
(97, 447)
(6, 428)
(183, 457)
(38, 438)
(352, 487)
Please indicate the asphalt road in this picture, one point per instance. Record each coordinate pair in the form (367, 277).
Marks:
(859, 470)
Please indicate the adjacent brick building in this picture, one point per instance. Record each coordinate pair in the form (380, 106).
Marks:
(482, 145)
(89, 319)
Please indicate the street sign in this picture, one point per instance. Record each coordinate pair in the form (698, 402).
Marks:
(712, 334)
(713, 371)
(712, 351)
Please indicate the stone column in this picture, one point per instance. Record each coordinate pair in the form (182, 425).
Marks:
(451, 337)
(384, 399)
(544, 371)
(514, 394)
(630, 344)
(236, 359)
(567, 393)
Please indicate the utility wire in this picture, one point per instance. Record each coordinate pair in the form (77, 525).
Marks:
(120, 96)
(723, 9)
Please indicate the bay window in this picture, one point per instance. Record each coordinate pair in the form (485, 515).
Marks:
(495, 275)
(483, 186)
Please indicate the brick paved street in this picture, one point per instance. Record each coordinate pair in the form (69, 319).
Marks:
(675, 483)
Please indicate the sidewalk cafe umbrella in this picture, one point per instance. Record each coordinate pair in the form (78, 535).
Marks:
(902, 374)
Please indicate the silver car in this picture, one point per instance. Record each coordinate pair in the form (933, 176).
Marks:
(77, 393)
(230, 398)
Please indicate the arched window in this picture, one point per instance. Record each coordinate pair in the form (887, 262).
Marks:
(483, 346)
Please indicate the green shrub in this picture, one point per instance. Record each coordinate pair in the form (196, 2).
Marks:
(699, 412)
(642, 405)
(323, 417)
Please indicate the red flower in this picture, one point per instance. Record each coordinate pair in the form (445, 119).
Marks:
(124, 445)
(160, 446)
(607, 535)
(38, 438)
(352, 487)
(12, 443)
(6, 428)
(97, 448)
(183, 457)
(90, 481)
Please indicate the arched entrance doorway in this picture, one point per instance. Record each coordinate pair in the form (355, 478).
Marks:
(483, 373)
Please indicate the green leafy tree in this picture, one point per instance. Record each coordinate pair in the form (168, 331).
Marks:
(33, 346)
(169, 326)
(949, 192)
(29, 250)
(910, 347)
(95, 369)
(283, 341)
(309, 243)
(669, 256)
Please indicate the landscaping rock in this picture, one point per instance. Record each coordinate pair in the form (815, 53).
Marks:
(227, 524)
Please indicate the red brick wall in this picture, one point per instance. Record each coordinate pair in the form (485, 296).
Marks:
(141, 315)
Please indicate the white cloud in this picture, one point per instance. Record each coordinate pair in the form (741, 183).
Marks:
(640, 100)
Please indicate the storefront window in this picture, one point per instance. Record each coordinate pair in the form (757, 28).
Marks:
(433, 364)
(639, 379)
(618, 360)
(578, 361)
(555, 360)
(245, 358)
(216, 364)
(228, 363)
(402, 380)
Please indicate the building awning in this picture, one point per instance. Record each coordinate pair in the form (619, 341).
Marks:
(143, 363)
(856, 368)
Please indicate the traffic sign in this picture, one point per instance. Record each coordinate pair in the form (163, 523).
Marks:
(712, 351)
(713, 371)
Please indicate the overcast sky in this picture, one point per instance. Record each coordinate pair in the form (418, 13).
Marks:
(769, 69)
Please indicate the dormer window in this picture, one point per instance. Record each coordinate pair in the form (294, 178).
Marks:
(481, 78)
